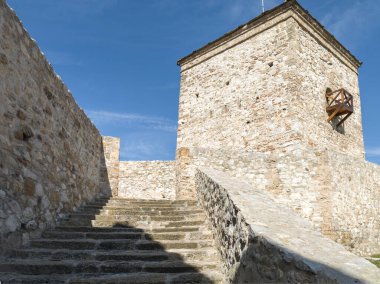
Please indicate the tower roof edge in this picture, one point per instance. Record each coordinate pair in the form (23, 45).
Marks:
(262, 19)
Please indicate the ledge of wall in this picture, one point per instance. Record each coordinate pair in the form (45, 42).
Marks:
(262, 241)
(147, 180)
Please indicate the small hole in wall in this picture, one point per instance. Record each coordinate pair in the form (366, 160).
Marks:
(210, 113)
(227, 83)
(270, 64)
(328, 92)
(248, 122)
(197, 95)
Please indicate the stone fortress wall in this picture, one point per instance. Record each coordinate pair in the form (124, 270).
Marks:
(51, 155)
(244, 109)
(249, 92)
(138, 179)
(53, 159)
(253, 104)
(147, 180)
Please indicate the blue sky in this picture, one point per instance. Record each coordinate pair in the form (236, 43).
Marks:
(118, 57)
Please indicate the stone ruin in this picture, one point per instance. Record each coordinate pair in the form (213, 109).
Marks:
(270, 147)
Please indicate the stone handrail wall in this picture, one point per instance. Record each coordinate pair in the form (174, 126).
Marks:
(51, 155)
(262, 241)
(337, 193)
(147, 180)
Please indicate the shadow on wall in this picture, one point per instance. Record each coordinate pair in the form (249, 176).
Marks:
(263, 262)
(261, 241)
(104, 181)
(24, 216)
(51, 155)
(108, 252)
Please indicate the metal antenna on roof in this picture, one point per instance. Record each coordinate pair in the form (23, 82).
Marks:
(262, 5)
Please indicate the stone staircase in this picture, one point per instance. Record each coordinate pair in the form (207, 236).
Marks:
(121, 241)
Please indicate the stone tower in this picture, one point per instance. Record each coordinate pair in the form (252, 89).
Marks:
(261, 88)
(255, 103)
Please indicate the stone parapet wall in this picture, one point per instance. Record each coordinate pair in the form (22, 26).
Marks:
(337, 193)
(111, 146)
(147, 180)
(264, 242)
(51, 155)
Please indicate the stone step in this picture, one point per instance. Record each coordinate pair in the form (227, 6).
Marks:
(149, 212)
(142, 210)
(138, 216)
(35, 267)
(121, 241)
(195, 217)
(126, 229)
(149, 201)
(139, 224)
(117, 255)
(206, 277)
(128, 235)
(145, 205)
(139, 208)
(78, 244)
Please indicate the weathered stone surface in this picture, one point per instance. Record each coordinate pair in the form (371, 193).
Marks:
(147, 180)
(29, 187)
(316, 186)
(12, 224)
(264, 242)
(231, 97)
(48, 147)
(253, 104)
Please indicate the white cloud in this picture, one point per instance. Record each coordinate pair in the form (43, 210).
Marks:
(373, 152)
(132, 120)
(136, 148)
(58, 58)
(351, 23)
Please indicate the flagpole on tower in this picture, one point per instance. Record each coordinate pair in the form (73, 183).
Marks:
(262, 5)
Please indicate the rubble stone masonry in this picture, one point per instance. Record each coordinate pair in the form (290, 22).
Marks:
(147, 180)
(342, 206)
(51, 155)
(253, 104)
(264, 242)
